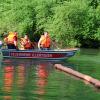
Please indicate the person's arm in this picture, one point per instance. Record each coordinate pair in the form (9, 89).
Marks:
(15, 42)
(39, 43)
(16, 45)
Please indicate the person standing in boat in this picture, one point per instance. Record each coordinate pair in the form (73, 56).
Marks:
(11, 40)
(26, 43)
(44, 42)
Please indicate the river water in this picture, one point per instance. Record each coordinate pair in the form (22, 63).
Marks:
(39, 80)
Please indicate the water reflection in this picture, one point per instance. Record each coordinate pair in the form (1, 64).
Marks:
(8, 81)
(8, 98)
(42, 74)
(37, 80)
(21, 78)
(8, 78)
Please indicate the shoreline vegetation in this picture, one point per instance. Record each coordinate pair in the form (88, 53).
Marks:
(71, 23)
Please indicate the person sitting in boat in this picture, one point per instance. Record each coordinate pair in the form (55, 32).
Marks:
(44, 42)
(11, 40)
(26, 43)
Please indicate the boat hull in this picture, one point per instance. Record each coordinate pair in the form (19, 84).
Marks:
(38, 54)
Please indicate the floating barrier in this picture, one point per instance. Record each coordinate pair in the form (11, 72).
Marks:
(90, 79)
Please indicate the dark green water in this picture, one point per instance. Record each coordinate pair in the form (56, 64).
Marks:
(38, 80)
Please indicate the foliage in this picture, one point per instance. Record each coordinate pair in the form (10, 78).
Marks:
(68, 21)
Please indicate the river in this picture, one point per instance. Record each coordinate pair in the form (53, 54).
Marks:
(39, 80)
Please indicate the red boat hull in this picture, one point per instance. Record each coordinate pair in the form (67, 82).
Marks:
(38, 54)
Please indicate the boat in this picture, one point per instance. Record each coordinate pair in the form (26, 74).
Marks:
(39, 54)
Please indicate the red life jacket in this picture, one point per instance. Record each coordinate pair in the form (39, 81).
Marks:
(11, 38)
(45, 41)
(27, 44)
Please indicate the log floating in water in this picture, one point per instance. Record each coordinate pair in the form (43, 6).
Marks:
(78, 74)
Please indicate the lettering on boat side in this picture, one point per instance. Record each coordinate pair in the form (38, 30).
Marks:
(30, 54)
